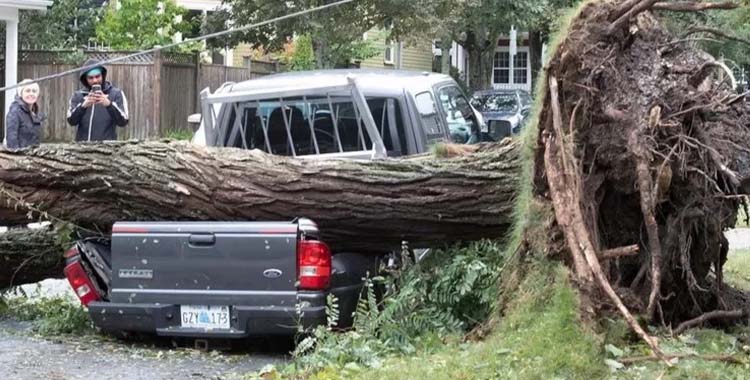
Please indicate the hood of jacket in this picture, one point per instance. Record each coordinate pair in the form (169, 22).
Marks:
(91, 62)
(25, 107)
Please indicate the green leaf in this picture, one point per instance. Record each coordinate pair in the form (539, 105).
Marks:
(616, 352)
(613, 365)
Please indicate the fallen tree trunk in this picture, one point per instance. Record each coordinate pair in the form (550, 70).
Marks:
(28, 256)
(367, 206)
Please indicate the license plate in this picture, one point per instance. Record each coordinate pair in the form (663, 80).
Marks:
(205, 316)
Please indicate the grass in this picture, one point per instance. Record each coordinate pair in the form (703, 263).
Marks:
(539, 338)
(742, 219)
(701, 342)
(737, 269)
(179, 134)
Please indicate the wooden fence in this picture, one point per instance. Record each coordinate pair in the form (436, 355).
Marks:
(162, 89)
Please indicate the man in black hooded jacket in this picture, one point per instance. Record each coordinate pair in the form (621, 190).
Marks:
(97, 114)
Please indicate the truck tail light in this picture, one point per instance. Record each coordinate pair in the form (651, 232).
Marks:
(81, 283)
(313, 265)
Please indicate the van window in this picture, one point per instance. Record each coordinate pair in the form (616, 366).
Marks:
(312, 125)
(429, 117)
(461, 120)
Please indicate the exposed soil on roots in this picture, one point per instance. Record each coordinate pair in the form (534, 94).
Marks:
(650, 148)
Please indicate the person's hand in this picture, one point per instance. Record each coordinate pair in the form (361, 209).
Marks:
(103, 99)
(89, 101)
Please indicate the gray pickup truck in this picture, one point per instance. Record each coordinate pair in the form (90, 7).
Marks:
(214, 279)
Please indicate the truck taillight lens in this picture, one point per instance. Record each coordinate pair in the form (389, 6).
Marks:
(313, 265)
(81, 283)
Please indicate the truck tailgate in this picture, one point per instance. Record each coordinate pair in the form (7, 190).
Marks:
(206, 263)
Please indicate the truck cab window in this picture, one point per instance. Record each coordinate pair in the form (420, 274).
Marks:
(460, 117)
(312, 125)
(429, 117)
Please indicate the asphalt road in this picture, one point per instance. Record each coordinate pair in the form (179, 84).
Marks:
(24, 356)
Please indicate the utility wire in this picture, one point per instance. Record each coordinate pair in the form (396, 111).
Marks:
(195, 39)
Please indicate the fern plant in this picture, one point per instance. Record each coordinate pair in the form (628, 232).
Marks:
(449, 292)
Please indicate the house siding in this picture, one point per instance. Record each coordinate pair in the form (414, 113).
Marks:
(377, 38)
(417, 57)
(414, 56)
(240, 52)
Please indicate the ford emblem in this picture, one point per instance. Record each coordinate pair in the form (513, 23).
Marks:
(272, 273)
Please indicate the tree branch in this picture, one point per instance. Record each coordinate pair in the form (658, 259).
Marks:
(691, 6)
(641, 6)
(715, 32)
(623, 8)
(630, 250)
(716, 358)
(718, 314)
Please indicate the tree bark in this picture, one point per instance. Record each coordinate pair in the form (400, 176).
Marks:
(481, 69)
(535, 55)
(369, 206)
(445, 57)
(28, 256)
(693, 6)
(481, 53)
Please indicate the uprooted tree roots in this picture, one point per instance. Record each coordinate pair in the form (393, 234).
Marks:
(643, 149)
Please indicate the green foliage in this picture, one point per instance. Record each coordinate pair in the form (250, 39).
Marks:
(734, 22)
(448, 293)
(50, 316)
(540, 338)
(68, 24)
(179, 134)
(451, 291)
(336, 33)
(303, 57)
(142, 24)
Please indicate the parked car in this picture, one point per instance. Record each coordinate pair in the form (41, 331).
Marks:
(504, 111)
(239, 279)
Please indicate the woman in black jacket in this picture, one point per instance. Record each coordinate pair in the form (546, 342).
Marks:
(23, 124)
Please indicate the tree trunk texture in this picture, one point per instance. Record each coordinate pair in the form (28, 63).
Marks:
(445, 57)
(28, 256)
(480, 61)
(535, 55)
(363, 206)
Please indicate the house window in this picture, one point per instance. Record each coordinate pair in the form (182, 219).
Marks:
(510, 70)
(520, 62)
(501, 66)
(390, 46)
(390, 49)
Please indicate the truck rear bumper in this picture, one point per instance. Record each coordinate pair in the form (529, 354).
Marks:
(245, 320)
